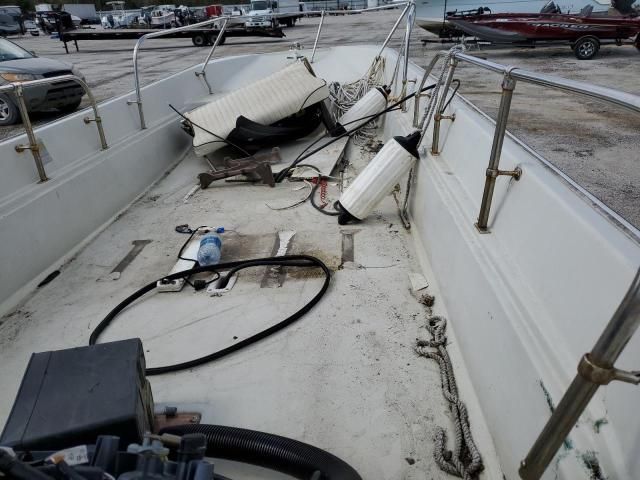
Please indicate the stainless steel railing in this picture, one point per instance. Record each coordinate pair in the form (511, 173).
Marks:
(597, 367)
(594, 370)
(411, 16)
(510, 76)
(162, 33)
(427, 72)
(410, 5)
(315, 43)
(203, 73)
(406, 9)
(18, 90)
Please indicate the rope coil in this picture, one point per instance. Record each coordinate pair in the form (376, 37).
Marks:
(465, 461)
(345, 96)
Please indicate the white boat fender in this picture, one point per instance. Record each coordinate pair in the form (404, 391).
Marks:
(285, 92)
(378, 178)
(375, 101)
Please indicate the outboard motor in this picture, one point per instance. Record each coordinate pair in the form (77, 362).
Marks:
(378, 178)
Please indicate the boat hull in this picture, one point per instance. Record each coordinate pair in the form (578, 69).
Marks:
(510, 28)
(431, 15)
(520, 300)
(163, 21)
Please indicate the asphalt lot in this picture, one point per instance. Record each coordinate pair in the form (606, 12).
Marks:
(593, 143)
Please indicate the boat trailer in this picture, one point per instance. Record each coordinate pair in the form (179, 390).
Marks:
(200, 37)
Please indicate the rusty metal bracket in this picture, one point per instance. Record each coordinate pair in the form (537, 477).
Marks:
(164, 420)
(495, 173)
(255, 168)
(603, 375)
(21, 148)
(439, 116)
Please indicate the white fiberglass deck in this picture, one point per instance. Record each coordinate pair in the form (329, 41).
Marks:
(525, 302)
(345, 377)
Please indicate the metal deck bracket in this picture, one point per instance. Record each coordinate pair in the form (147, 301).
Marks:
(594, 373)
(494, 173)
(439, 117)
(164, 420)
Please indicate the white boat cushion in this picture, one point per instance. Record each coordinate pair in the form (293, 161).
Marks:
(266, 101)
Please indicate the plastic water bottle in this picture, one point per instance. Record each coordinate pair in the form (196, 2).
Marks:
(210, 246)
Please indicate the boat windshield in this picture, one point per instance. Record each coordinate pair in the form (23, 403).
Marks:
(550, 7)
(11, 51)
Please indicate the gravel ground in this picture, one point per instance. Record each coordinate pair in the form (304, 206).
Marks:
(595, 144)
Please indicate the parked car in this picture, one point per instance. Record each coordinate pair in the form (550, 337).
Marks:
(8, 25)
(20, 65)
(31, 27)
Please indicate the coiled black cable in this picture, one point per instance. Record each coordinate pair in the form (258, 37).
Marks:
(303, 156)
(231, 268)
(285, 455)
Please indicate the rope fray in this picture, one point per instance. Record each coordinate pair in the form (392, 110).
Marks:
(465, 460)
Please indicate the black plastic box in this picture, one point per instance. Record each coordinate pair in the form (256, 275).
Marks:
(69, 397)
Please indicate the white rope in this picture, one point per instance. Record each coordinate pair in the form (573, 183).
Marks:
(465, 461)
(345, 96)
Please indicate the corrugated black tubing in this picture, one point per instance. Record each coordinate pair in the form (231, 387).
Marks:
(285, 455)
(17, 470)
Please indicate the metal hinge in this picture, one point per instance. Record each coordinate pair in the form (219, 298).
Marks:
(603, 376)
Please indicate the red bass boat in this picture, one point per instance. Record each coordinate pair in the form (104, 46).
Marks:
(585, 31)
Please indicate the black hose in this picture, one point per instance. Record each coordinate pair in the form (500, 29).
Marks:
(283, 173)
(285, 455)
(231, 268)
(17, 470)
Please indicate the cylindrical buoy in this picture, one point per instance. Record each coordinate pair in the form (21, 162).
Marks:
(378, 178)
(375, 101)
